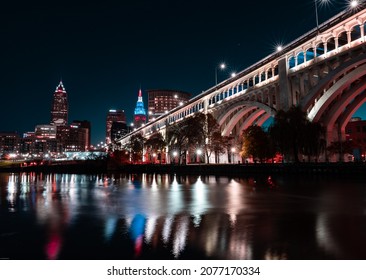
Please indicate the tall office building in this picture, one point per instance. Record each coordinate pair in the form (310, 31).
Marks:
(59, 111)
(140, 113)
(117, 116)
(87, 126)
(161, 101)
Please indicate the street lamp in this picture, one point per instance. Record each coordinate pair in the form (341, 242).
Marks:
(174, 156)
(199, 153)
(354, 3)
(233, 150)
(222, 66)
(322, 2)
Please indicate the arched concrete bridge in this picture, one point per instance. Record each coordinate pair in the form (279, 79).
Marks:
(323, 71)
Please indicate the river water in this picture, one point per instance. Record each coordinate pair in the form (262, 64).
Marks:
(126, 216)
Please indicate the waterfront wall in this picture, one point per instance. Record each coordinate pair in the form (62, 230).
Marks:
(89, 167)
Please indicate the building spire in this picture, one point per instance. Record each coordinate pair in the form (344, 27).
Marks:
(140, 113)
(60, 87)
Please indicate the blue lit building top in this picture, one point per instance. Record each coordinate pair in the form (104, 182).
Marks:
(140, 112)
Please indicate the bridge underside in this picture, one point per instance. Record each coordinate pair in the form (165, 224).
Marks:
(236, 117)
(337, 98)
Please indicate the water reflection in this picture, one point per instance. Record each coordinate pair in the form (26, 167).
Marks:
(167, 216)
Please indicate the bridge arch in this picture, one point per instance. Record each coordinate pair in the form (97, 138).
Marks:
(343, 109)
(310, 100)
(257, 117)
(241, 109)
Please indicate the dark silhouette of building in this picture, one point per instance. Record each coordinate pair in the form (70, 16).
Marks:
(9, 143)
(356, 134)
(59, 111)
(117, 116)
(140, 113)
(118, 130)
(84, 125)
(161, 101)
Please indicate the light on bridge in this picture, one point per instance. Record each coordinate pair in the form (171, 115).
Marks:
(354, 3)
(222, 66)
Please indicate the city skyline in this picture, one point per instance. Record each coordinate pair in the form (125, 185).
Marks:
(104, 53)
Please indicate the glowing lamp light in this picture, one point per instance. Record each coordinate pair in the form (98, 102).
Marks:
(233, 74)
(199, 152)
(222, 65)
(175, 153)
(353, 3)
(279, 48)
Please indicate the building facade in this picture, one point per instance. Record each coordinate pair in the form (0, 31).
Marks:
(118, 130)
(113, 116)
(161, 101)
(87, 126)
(9, 143)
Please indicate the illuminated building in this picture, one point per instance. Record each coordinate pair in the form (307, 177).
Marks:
(140, 113)
(117, 116)
(161, 101)
(45, 131)
(59, 111)
(44, 140)
(73, 138)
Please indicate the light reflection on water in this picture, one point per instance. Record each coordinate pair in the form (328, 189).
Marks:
(190, 217)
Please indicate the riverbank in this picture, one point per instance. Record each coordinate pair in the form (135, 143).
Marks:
(244, 169)
(101, 166)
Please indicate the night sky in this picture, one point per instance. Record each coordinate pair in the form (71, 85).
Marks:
(104, 51)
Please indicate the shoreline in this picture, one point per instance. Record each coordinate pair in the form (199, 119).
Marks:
(358, 169)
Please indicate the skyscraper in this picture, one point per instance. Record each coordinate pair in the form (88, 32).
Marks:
(140, 113)
(59, 109)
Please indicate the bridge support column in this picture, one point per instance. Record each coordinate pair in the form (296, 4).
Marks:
(285, 101)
